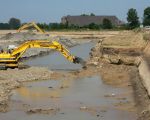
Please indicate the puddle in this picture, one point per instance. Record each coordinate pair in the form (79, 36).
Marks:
(71, 100)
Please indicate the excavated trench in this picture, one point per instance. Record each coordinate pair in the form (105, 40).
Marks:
(87, 98)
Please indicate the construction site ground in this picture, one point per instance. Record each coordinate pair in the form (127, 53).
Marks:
(115, 59)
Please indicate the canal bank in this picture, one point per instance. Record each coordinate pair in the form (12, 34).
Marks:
(102, 91)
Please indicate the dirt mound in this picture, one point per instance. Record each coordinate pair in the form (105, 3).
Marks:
(22, 36)
(32, 73)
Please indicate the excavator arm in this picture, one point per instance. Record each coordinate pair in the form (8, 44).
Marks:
(18, 52)
(10, 59)
(32, 24)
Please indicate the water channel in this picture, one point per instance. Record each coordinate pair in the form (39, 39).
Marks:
(81, 99)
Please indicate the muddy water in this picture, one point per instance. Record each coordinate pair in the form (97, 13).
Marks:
(80, 99)
(56, 61)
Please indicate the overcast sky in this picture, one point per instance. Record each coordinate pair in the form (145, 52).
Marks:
(52, 10)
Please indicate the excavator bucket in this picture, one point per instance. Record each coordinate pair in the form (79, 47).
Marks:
(78, 60)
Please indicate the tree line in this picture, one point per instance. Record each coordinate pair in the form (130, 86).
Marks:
(106, 24)
(13, 23)
(132, 22)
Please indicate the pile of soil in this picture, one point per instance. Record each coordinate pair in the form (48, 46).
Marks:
(23, 36)
(19, 38)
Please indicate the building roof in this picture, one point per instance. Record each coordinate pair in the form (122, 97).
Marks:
(86, 20)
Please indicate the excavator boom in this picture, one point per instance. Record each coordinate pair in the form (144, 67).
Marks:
(32, 24)
(42, 44)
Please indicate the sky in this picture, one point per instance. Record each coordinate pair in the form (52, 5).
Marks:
(50, 11)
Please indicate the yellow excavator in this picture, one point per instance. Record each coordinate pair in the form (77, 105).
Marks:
(31, 24)
(10, 58)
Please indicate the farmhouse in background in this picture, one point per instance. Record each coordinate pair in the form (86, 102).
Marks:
(86, 20)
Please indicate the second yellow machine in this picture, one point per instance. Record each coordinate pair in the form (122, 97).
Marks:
(31, 24)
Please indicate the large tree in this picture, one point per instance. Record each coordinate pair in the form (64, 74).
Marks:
(14, 23)
(132, 18)
(107, 24)
(146, 20)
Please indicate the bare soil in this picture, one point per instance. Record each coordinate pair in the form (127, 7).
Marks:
(122, 44)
